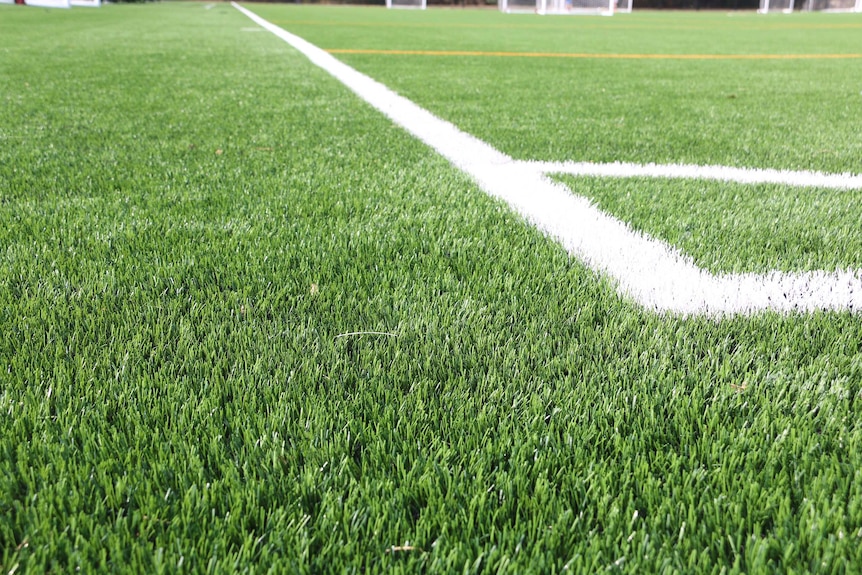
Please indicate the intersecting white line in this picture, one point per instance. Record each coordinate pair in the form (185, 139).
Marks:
(720, 173)
(652, 273)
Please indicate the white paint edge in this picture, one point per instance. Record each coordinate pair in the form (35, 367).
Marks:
(654, 274)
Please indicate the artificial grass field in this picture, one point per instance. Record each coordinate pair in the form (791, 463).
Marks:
(194, 220)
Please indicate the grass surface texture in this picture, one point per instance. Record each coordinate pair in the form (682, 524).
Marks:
(198, 229)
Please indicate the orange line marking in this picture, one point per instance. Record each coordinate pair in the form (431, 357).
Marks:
(597, 56)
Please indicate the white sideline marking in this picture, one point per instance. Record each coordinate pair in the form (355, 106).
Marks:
(654, 274)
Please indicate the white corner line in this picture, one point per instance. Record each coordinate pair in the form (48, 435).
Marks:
(649, 271)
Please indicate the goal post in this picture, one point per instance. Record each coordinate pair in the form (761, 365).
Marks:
(603, 7)
(415, 4)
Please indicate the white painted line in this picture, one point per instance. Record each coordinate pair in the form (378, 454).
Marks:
(654, 274)
(720, 173)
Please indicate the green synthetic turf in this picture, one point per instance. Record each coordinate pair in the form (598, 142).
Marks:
(794, 114)
(787, 114)
(192, 218)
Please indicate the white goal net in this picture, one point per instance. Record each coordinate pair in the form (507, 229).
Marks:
(767, 6)
(603, 7)
(48, 3)
(418, 4)
(833, 5)
(787, 6)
